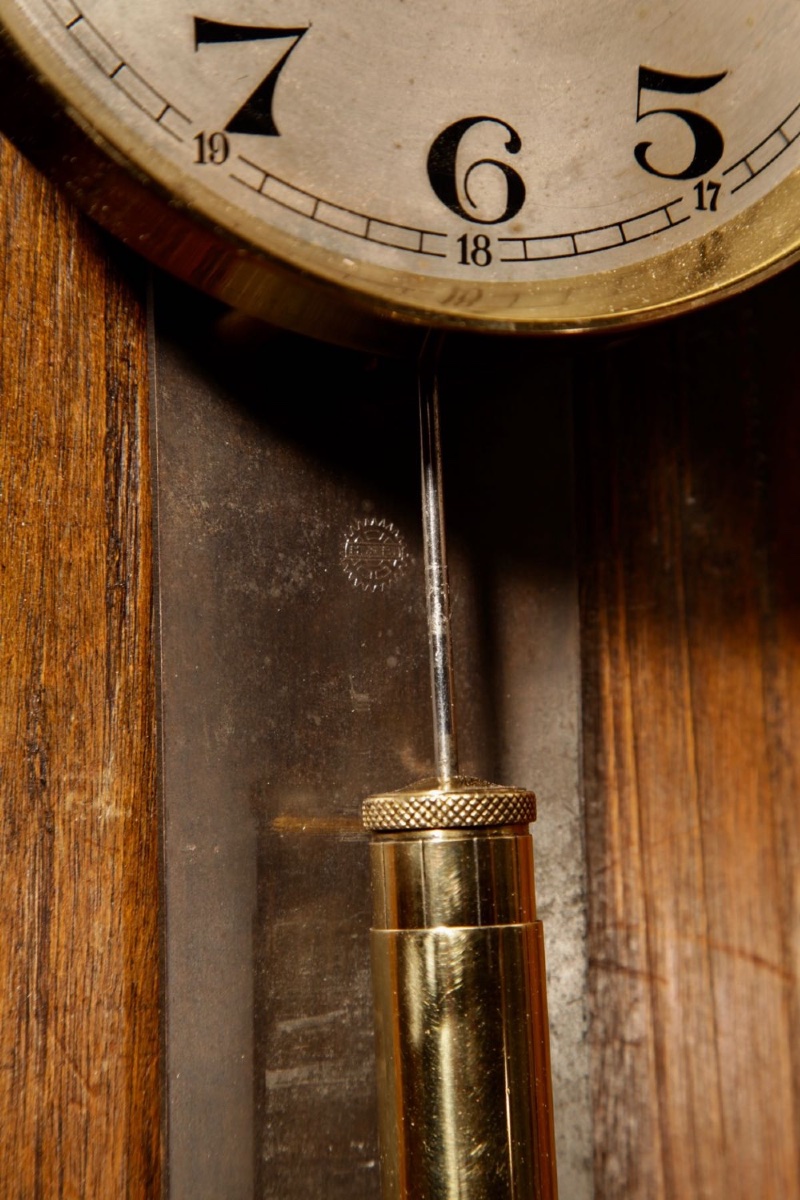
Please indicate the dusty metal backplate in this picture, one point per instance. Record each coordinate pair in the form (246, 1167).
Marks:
(294, 681)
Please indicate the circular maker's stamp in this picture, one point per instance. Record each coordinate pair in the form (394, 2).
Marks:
(374, 554)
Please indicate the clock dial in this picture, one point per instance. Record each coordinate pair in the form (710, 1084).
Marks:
(543, 165)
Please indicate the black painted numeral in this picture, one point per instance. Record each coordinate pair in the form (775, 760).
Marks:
(476, 249)
(708, 141)
(212, 148)
(443, 172)
(255, 115)
(707, 192)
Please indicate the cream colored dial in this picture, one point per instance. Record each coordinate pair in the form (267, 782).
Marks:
(506, 164)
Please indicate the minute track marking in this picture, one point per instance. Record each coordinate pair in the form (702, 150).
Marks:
(102, 54)
(313, 207)
(572, 237)
(361, 225)
(785, 140)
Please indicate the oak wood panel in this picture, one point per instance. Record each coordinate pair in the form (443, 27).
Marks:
(79, 1023)
(689, 482)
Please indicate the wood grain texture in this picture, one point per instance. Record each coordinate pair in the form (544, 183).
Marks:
(689, 479)
(79, 1024)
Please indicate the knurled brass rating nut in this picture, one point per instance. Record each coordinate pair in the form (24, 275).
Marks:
(465, 804)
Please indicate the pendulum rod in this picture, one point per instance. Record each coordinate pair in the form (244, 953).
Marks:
(437, 588)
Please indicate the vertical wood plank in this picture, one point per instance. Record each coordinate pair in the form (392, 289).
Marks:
(79, 1024)
(689, 447)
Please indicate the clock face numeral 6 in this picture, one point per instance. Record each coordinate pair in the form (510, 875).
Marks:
(372, 144)
(442, 171)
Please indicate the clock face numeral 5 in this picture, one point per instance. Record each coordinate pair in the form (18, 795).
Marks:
(708, 143)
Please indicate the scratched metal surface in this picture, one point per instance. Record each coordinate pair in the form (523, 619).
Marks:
(294, 681)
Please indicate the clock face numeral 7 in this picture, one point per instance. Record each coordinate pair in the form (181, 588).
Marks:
(255, 115)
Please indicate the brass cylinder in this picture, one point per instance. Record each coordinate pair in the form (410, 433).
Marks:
(465, 1106)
